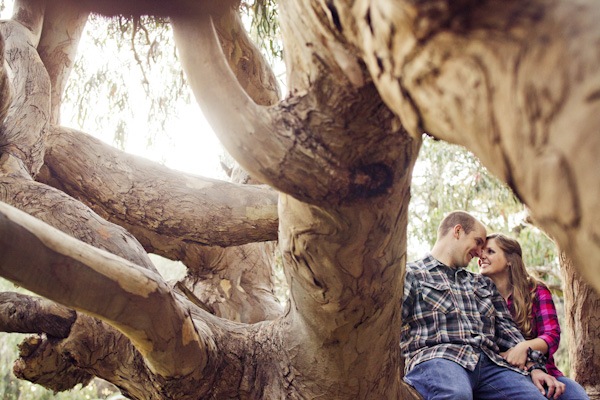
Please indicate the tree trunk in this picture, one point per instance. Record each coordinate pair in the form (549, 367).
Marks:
(582, 306)
(366, 79)
(493, 77)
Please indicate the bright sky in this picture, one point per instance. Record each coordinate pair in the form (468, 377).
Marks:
(188, 142)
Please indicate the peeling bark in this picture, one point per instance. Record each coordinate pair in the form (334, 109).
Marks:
(160, 206)
(26, 314)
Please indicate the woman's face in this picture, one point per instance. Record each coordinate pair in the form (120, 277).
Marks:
(492, 262)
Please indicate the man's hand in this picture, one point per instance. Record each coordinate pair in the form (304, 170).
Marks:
(517, 356)
(542, 381)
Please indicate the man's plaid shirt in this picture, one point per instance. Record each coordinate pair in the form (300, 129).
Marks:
(453, 314)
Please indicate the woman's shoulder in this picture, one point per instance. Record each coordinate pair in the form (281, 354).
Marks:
(541, 289)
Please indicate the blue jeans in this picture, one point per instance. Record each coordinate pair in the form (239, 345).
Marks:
(573, 390)
(445, 379)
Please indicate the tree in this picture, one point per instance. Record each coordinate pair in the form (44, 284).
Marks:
(365, 80)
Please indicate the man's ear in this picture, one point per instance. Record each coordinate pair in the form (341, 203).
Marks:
(456, 230)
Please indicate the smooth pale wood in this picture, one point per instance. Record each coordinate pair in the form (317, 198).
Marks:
(64, 22)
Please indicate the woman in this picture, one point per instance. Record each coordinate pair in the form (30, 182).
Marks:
(530, 303)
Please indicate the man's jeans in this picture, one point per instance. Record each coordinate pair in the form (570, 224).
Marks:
(445, 379)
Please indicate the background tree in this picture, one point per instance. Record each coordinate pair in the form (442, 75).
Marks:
(365, 80)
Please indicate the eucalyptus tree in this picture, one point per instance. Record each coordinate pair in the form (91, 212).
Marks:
(365, 79)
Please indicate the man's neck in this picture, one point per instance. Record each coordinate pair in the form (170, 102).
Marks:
(441, 254)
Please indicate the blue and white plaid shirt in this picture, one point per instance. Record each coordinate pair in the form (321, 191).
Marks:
(453, 314)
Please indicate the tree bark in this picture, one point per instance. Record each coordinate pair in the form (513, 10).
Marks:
(337, 150)
(492, 77)
(160, 206)
(582, 305)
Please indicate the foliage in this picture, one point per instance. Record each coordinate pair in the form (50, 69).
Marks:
(264, 27)
(138, 80)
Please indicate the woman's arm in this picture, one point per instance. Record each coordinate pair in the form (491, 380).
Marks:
(517, 356)
(546, 326)
(546, 320)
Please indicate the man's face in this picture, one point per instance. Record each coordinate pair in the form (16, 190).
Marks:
(469, 245)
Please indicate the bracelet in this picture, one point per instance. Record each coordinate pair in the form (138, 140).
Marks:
(538, 359)
(537, 366)
(536, 356)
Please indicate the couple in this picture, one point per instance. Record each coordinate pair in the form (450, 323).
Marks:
(458, 337)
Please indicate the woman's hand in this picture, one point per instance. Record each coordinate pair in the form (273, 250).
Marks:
(548, 385)
(517, 356)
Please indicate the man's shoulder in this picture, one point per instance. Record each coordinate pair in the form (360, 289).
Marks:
(426, 262)
(483, 282)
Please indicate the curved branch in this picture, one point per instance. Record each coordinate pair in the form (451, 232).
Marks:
(6, 95)
(66, 213)
(26, 314)
(272, 143)
(246, 61)
(63, 25)
(26, 124)
(30, 14)
(134, 300)
(160, 206)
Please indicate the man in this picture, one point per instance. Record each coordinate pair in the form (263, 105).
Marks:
(455, 324)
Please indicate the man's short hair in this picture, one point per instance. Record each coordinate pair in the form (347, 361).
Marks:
(466, 220)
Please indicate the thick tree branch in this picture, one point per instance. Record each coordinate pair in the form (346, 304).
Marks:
(27, 314)
(136, 301)
(246, 61)
(237, 283)
(275, 144)
(6, 94)
(93, 348)
(30, 14)
(66, 213)
(156, 7)
(63, 25)
(152, 201)
(40, 363)
(27, 120)
(492, 76)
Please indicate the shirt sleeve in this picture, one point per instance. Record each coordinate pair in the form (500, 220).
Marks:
(545, 319)
(408, 297)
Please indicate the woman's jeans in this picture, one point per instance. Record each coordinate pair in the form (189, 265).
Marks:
(573, 390)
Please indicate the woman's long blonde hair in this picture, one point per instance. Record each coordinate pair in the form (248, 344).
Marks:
(524, 285)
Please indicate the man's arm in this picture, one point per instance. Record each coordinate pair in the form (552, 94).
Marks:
(408, 296)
